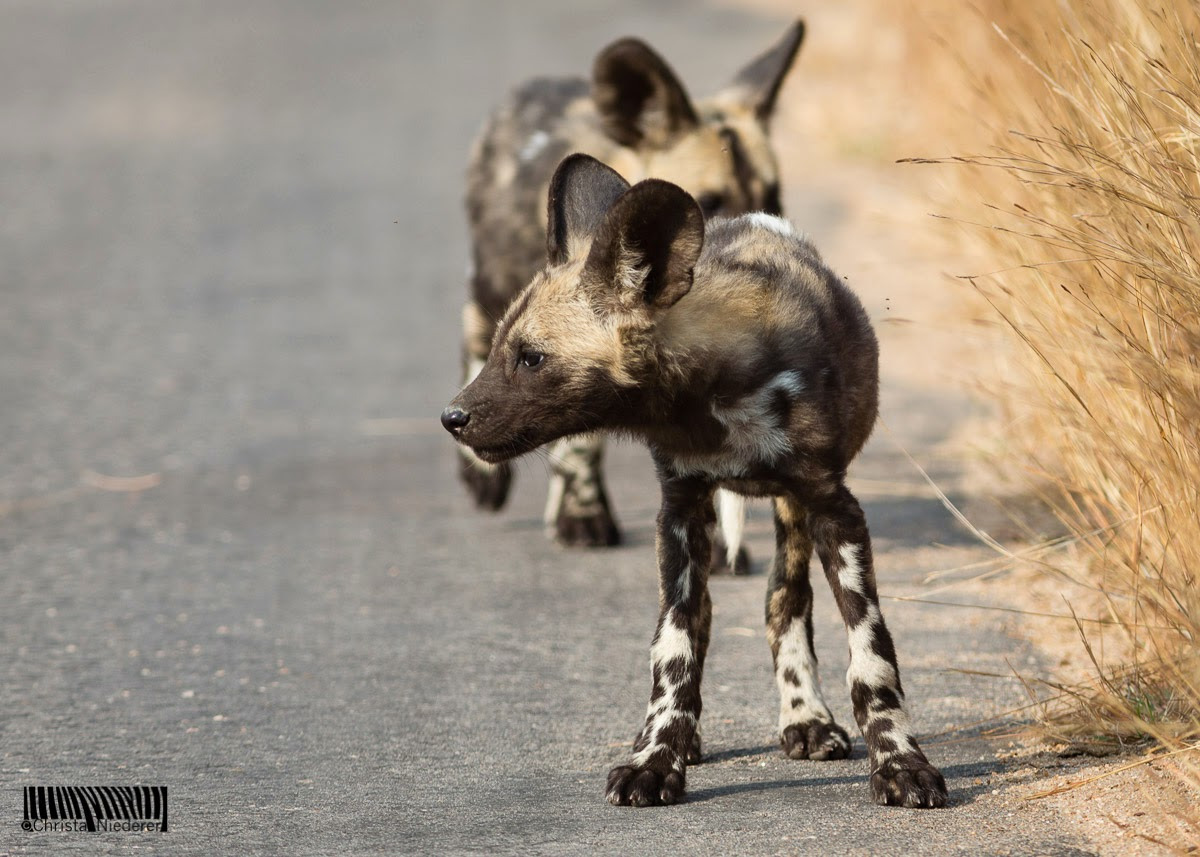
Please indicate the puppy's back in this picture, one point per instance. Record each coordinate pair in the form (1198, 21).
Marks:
(764, 303)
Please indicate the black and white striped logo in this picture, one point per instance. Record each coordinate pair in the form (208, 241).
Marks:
(95, 808)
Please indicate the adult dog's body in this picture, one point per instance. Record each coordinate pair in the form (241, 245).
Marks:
(635, 116)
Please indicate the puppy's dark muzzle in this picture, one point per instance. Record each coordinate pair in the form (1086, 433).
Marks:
(454, 420)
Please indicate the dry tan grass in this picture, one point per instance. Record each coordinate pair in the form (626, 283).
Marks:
(1086, 194)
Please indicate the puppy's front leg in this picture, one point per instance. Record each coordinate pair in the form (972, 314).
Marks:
(655, 775)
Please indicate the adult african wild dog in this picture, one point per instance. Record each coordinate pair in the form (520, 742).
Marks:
(744, 363)
(637, 117)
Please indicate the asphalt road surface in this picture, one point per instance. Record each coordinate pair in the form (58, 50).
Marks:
(236, 561)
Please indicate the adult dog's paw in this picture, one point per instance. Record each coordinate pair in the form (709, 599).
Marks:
(818, 740)
(488, 484)
(908, 781)
(629, 785)
(594, 529)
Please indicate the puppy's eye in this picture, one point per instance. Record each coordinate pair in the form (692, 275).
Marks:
(710, 203)
(531, 359)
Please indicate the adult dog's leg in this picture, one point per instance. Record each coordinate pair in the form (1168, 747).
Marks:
(577, 509)
(487, 483)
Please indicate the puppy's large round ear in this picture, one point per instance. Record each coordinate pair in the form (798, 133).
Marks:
(581, 193)
(638, 96)
(646, 248)
(759, 82)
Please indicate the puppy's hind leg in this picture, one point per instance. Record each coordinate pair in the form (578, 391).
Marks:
(806, 727)
(900, 773)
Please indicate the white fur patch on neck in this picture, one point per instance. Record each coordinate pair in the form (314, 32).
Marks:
(756, 433)
(770, 221)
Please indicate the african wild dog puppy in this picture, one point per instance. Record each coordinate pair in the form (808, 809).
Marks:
(637, 117)
(744, 363)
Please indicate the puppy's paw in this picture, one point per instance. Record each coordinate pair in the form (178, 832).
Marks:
(631, 785)
(820, 741)
(908, 780)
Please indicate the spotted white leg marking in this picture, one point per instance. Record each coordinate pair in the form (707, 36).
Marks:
(672, 661)
(806, 726)
(867, 664)
(554, 501)
(656, 773)
(900, 773)
(576, 461)
(577, 509)
(800, 699)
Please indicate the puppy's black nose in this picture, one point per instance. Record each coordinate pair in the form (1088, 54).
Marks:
(454, 419)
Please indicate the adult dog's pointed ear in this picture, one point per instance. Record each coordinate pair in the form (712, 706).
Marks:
(759, 82)
(644, 251)
(581, 193)
(640, 100)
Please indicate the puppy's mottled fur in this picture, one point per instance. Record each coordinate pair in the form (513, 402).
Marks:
(744, 363)
(636, 116)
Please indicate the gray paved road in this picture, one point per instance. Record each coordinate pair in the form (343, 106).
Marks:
(231, 259)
